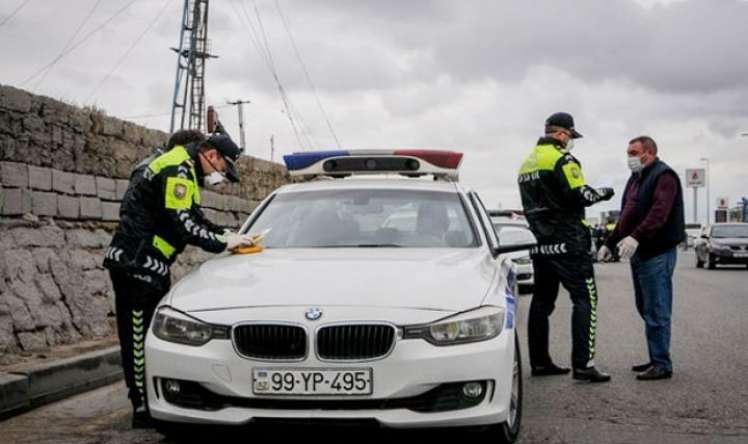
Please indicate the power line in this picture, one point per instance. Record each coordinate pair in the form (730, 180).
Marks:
(14, 12)
(80, 42)
(287, 101)
(306, 72)
(266, 58)
(129, 50)
(68, 43)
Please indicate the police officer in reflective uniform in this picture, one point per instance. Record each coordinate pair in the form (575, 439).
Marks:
(554, 197)
(160, 214)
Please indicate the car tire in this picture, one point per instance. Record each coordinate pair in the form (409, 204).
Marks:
(507, 432)
(710, 262)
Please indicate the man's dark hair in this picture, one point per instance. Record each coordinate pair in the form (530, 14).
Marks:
(183, 137)
(647, 142)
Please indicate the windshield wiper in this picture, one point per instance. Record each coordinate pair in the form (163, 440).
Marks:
(379, 246)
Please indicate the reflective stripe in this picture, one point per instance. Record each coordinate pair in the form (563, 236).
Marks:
(138, 352)
(543, 158)
(173, 157)
(164, 247)
(592, 291)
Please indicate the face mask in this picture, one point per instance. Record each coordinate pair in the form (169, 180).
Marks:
(635, 164)
(214, 178)
(570, 145)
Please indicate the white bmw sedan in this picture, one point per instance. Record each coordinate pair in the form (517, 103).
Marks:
(344, 316)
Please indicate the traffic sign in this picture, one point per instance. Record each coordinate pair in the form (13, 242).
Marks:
(696, 177)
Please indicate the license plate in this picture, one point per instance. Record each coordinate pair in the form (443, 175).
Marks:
(312, 382)
(741, 254)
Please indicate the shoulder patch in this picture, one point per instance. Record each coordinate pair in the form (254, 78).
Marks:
(179, 193)
(573, 173)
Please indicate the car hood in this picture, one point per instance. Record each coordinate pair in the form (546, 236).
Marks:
(432, 279)
(730, 241)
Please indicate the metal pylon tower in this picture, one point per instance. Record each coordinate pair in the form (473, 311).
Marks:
(189, 86)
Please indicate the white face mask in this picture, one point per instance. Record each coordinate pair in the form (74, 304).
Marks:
(214, 178)
(569, 145)
(635, 164)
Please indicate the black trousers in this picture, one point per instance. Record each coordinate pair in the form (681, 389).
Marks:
(135, 302)
(575, 273)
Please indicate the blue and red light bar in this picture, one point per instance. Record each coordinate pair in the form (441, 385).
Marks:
(444, 161)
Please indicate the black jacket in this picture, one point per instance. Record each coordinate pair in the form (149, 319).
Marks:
(554, 197)
(160, 215)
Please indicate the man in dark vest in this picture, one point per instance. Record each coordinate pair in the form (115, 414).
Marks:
(651, 226)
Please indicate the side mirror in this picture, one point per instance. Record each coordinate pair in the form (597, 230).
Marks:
(512, 248)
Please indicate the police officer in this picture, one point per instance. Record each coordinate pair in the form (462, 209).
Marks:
(554, 197)
(160, 215)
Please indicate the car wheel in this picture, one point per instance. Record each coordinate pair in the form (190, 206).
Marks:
(710, 262)
(508, 432)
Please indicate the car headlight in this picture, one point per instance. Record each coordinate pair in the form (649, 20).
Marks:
(477, 325)
(174, 326)
(524, 260)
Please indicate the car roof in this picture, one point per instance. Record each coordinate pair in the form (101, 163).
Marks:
(386, 182)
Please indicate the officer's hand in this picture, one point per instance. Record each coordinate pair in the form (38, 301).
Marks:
(627, 247)
(234, 240)
(604, 254)
(606, 193)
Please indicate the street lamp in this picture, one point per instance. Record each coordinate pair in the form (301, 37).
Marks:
(708, 181)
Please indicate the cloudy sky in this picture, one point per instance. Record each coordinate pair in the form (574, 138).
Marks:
(475, 76)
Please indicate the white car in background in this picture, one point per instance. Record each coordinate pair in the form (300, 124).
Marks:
(345, 315)
(512, 228)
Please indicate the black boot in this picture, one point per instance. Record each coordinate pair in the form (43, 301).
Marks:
(641, 367)
(590, 374)
(141, 419)
(654, 373)
(549, 370)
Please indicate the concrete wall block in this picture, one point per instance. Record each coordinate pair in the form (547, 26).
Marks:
(14, 174)
(40, 178)
(106, 188)
(68, 207)
(63, 182)
(15, 99)
(85, 184)
(44, 203)
(90, 208)
(87, 238)
(120, 186)
(15, 201)
(211, 199)
(110, 211)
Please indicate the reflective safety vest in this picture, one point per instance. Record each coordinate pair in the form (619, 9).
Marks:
(160, 214)
(554, 196)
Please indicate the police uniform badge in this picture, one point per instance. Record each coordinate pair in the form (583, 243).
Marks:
(180, 191)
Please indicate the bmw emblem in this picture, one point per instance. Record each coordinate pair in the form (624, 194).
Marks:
(313, 314)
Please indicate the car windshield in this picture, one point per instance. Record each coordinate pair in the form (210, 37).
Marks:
(509, 235)
(365, 218)
(730, 231)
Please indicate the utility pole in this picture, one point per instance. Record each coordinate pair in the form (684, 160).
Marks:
(272, 148)
(240, 104)
(708, 186)
(188, 99)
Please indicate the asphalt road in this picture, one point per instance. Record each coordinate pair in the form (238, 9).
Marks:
(706, 401)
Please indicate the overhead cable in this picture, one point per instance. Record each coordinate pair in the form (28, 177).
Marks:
(77, 44)
(306, 72)
(68, 43)
(14, 12)
(129, 50)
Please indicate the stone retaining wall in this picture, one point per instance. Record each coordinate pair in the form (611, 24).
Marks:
(63, 172)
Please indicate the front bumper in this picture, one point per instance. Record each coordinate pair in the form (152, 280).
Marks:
(414, 370)
(727, 256)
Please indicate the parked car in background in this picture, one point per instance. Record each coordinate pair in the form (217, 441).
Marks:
(722, 244)
(512, 228)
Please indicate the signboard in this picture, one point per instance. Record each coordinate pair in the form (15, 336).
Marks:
(722, 202)
(696, 177)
